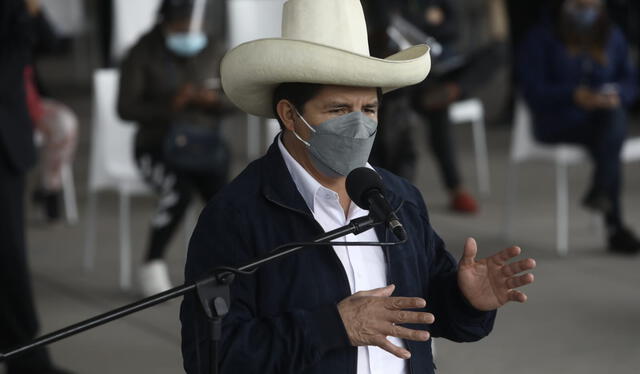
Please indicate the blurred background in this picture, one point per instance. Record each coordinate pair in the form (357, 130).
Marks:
(104, 226)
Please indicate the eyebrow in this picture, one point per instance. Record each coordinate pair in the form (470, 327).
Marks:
(338, 104)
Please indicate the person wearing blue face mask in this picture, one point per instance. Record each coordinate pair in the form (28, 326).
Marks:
(169, 86)
(575, 72)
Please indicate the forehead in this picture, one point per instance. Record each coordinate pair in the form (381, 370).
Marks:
(347, 94)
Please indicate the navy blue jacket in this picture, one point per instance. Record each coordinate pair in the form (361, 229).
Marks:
(548, 75)
(284, 318)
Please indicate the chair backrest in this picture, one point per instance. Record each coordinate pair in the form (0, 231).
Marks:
(112, 164)
(131, 19)
(631, 150)
(524, 146)
(469, 110)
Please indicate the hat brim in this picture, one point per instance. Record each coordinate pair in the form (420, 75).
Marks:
(251, 72)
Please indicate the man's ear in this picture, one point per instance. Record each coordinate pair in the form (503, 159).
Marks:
(287, 115)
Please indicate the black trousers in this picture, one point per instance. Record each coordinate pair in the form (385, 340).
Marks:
(18, 319)
(175, 189)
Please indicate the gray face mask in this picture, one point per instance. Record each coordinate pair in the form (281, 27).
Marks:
(340, 144)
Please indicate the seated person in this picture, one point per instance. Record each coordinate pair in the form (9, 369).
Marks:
(575, 73)
(55, 123)
(454, 76)
(169, 86)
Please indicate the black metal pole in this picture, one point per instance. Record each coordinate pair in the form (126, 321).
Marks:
(356, 226)
(100, 320)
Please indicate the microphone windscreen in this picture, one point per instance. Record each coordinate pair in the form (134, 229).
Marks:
(360, 182)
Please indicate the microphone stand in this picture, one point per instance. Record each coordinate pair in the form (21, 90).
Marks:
(213, 293)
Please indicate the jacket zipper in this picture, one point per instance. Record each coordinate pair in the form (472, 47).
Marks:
(342, 271)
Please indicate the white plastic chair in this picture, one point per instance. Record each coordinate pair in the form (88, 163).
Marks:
(472, 111)
(525, 148)
(112, 168)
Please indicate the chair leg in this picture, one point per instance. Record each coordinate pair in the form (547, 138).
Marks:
(125, 242)
(510, 206)
(69, 193)
(90, 238)
(597, 225)
(482, 157)
(562, 209)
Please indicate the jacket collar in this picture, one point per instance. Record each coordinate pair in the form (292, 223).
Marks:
(279, 187)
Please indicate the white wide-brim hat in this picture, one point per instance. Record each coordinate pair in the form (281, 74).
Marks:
(323, 41)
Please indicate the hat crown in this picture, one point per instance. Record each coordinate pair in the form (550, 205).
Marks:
(336, 23)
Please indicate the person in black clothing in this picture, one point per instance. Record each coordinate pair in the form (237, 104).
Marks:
(454, 75)
(169, 86)
(18, 319)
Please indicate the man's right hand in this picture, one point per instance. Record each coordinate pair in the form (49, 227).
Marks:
(370, 316)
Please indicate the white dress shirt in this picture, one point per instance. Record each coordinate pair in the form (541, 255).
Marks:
(365, 266)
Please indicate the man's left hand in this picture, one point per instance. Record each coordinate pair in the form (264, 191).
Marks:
(490, 283)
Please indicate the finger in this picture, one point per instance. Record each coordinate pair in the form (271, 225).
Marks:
(405, 333)
(507, 254)
(405, 316)
(518, 267)
(520, 281)
(397, 303)
(517, 296)
(470, 252)
(392, 348)
(381, 292)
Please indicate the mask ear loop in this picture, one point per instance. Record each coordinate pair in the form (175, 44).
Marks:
(306, 123)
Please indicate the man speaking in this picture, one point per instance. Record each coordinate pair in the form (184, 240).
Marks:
(338, 309)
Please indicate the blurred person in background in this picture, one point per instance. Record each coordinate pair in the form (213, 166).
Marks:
(576, 75)
(170, 87)
(55, 122)
(455, 75)
(18, 317)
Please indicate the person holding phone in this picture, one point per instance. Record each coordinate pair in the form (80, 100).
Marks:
(170, 87)
(575, 73)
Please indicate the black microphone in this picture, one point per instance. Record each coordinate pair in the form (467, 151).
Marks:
(365, 189)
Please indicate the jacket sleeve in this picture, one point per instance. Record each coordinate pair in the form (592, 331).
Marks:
(133, 103)
(456, 318)
(541, 92)
(625, 74)
(251, 343)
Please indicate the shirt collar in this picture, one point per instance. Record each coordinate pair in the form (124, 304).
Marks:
(306, 184)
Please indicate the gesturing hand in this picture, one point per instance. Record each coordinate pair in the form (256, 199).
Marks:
(370, 316)
(489, 283)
